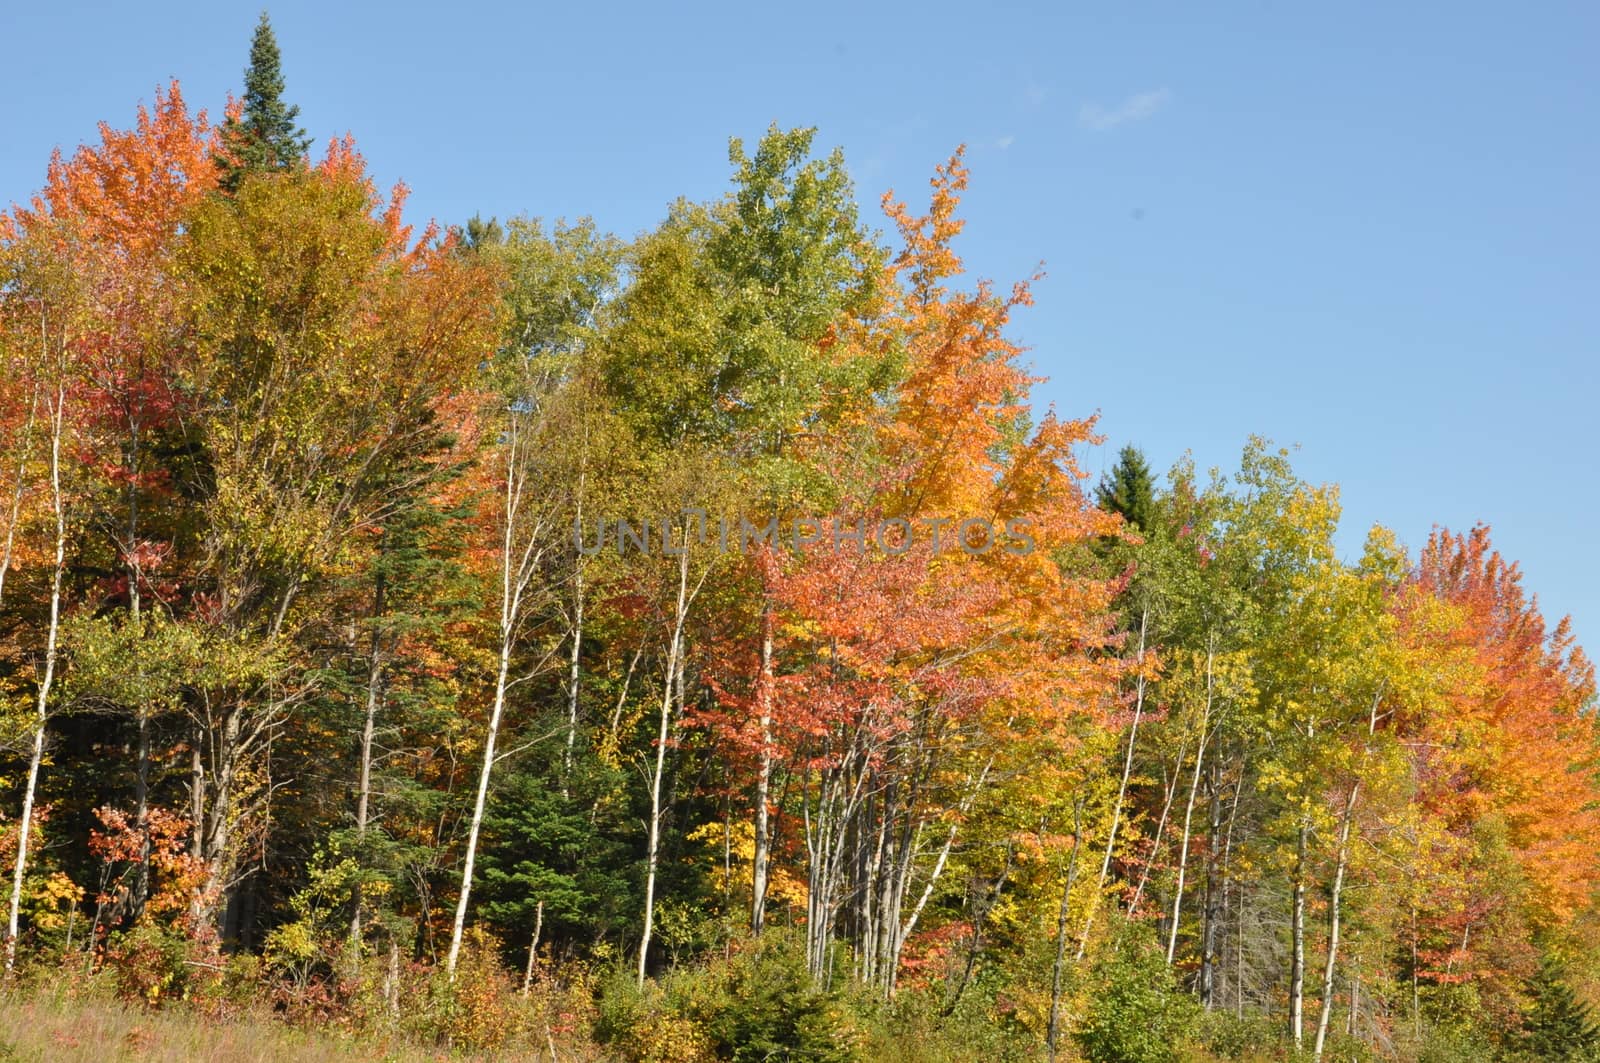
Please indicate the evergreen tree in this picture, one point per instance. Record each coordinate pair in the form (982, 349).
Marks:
(1559, 1026)
(572, 852)
(1128, 489)
(478, 234)
(263, 137)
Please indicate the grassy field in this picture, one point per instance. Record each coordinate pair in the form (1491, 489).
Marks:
(54, 1028)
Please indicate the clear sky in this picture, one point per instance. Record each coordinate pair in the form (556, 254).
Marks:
(1369, 229)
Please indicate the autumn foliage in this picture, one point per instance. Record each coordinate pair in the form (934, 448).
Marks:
(317, 691)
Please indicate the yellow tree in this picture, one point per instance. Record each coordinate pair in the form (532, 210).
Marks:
(325, 342)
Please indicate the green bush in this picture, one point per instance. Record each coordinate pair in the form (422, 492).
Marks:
(1250, 1038)
(757, 1003)
(1139, 1014)
(920, 1026)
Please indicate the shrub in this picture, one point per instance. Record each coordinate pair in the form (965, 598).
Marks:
(158, 964)
(757, 1003)
(760, 1004)
(479, 1009)
(1139, 1014)
(1249, 1038)
(919, 1026)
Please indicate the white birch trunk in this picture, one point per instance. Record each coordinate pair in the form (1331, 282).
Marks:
(46, 681)
(674, 652)
(1188, 816)
(758, 898)
(519, 561)
(1122, 790)
(1334, 911)
(1297, 932)
(364, 785)
(1333, 921)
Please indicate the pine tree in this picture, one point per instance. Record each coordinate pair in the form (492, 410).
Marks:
(1559, 1026)
(478, 234)
(1128, 489)
(263, 137)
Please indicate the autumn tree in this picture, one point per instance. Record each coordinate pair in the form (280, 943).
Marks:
(125, 200)
(539, 468)
(320, 377)
(913, 677)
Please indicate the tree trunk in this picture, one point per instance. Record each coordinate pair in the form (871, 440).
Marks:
(141, 813)
(1213, 892)
(1341, 862)
(653, 852)
(533, 947)
(1297, 933)
(1161, 826)
(573, 677)
(521, 552)
(980, 920)
(501, 678)
(141, 884)
(764, 693)
(1188, 817)
(197, 793)
(392, 988)
(217, 837)
(1122, 787)
(1227, 892)
(368, 727)
(46, 681)
(1238, 959)
(1333, 920)
(1416, 990)
(1052, 1032)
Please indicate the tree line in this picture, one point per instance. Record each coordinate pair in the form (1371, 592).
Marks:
(311, 683)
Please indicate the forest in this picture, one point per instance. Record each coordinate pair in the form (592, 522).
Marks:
(509, 640)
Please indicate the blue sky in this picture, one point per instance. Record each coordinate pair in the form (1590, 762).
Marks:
(1367, 229)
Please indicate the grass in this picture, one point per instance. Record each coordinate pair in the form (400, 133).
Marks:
(45, 1026)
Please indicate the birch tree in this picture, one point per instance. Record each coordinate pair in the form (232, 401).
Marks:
(319, 377)
(529, 533)
(39, 300)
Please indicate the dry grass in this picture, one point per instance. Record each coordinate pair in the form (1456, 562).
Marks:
(52, 1027)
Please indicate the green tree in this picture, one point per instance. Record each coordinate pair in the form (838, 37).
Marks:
(734, 307)
(478, 234)
(1559, 1026)
(568, 852)
(1128, 489)
(262, 136)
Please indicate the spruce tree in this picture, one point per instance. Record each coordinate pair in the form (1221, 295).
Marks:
(478, 234)
(263, 137)
(1128, 489)
(1559, 1026)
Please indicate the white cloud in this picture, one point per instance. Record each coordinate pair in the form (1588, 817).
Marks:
(1005, 142)
(1133, 109)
